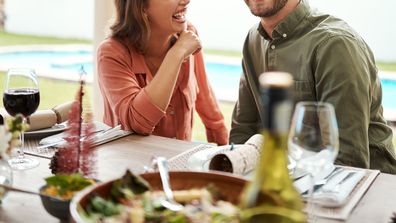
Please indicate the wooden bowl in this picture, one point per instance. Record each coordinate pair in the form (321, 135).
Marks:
(230, 187)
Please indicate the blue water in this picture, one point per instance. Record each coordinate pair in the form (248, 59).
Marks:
(224, 78)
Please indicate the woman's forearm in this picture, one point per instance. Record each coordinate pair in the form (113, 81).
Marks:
(160, 89)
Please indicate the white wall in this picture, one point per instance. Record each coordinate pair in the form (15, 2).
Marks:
(222, 24)
(62, 18)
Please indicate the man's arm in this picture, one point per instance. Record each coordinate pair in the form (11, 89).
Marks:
(245, 117)
(343, 77)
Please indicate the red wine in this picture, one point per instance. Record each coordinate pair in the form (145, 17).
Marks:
(24, 101)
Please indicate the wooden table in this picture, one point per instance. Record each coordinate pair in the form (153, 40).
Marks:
(134, 152)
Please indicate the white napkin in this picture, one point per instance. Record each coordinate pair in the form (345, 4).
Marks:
(201, 160)
(303, 184)
(335, 193)
(110, 135)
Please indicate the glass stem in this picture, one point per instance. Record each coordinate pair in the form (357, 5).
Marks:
(21, 154)
(311, 205)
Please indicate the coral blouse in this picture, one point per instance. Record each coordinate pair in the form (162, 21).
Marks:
(123, 75)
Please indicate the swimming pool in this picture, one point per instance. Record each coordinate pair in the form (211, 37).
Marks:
(224, 78)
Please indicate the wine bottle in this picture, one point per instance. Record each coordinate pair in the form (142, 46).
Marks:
(271, 196)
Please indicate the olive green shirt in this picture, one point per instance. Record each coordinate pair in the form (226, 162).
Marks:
(330, 62)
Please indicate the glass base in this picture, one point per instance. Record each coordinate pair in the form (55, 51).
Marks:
(23, 163)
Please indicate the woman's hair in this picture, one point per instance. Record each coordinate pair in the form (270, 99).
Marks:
(131, 23)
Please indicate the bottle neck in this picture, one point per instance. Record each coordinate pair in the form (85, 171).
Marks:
(1, 120)
(276, 122)
(277, 110)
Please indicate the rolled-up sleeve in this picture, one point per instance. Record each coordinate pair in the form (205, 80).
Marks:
(128, 101)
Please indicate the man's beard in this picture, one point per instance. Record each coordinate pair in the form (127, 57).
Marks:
(278, 5)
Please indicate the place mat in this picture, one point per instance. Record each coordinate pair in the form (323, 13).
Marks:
(179, 162)
(31, 149)
(343, 212)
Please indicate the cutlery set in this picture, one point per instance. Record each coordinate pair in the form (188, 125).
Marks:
(98, 134)
(334, 189)
(333, 182)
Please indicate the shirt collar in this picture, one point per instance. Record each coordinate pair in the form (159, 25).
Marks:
(289, 24)
(137, 58)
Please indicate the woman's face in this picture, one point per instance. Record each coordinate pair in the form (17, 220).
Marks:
(167, 16)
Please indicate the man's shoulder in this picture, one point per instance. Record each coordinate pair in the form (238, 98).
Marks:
(331, 26)
(253, 31)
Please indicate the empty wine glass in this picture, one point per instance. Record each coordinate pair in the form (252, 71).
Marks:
(313, 141)
(21, 96)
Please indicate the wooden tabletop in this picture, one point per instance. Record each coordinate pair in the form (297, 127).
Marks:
(134, 152)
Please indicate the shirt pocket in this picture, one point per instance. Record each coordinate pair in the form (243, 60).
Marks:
(304, 91)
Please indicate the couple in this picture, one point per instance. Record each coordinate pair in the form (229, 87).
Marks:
(152, 75)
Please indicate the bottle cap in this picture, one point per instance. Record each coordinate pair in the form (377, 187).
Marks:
(276, 79)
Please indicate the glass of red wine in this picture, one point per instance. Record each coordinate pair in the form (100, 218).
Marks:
(21, 96)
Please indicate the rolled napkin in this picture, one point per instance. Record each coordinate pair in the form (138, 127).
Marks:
(41, 119)
(62, 111)
(47, 118)
(239, 160)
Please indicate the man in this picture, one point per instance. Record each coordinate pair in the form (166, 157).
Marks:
(331, 63)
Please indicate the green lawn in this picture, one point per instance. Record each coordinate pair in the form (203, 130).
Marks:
(8, 39)
(387, 66)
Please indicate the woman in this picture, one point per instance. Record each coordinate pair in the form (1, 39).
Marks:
(152, 75)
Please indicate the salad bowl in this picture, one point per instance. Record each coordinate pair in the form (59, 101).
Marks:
(230, 186)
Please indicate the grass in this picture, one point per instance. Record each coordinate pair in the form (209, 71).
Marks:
(9, 39)
(387, 66)
(230, 53)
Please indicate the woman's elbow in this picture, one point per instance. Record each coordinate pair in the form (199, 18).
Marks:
(140, 128)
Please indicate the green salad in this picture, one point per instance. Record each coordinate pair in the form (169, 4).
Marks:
(132, 200)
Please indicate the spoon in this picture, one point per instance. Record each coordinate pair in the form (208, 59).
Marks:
(10, 188)
(169, 202)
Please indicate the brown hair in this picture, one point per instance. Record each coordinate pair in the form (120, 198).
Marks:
(131, 23)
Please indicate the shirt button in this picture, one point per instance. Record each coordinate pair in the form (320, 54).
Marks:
(172, 112)
(284, 35)
(273, 47)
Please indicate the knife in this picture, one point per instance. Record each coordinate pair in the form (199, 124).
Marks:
(336, 188)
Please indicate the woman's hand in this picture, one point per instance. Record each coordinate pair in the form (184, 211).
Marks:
(187, 43)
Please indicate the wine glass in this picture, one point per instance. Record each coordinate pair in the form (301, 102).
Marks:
(313, 141)
(21, 96)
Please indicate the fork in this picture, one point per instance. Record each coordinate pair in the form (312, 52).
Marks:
(319, 185)
(169, 202)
